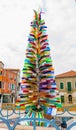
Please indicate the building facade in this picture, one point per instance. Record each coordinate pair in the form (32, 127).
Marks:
(9, 82)
(66, 82)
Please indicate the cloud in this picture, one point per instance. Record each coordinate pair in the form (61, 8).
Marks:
(60, 18)
(62, 31)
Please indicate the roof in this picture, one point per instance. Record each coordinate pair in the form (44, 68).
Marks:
(11, 69)
(67, 74)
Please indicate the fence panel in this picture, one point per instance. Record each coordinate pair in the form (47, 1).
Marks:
(12, 118)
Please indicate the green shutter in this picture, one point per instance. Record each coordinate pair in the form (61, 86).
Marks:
(62, 99)
(75, 84)
(61, 85)
(69, 86)
(12, 86)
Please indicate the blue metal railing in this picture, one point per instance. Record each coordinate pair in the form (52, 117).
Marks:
(6, 117)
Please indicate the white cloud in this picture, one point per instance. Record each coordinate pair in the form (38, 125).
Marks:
(60, 18)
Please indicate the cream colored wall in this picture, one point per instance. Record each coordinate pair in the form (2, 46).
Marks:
(64, 91)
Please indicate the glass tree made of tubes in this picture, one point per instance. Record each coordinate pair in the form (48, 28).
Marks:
(38, 90)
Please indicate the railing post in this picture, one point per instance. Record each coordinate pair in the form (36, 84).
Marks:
(34, 124)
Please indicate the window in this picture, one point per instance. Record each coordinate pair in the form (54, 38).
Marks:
(0, 84)
(10, 76)
(70, 98)
(12, 86)
(61, 85)
(6, 99)
(3, 85)
(9, 86)
(0, 97)
(69, 89)
(75, 84)
(0, 72)
(15, 78)
(62, 99)
(4, 73)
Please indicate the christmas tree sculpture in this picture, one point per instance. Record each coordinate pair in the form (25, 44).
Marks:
(38, 91)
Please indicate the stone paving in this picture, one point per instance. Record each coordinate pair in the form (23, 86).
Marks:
(19, 127)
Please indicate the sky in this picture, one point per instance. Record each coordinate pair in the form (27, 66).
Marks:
(60, 19)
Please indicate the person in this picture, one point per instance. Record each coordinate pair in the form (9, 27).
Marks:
(63, 125)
